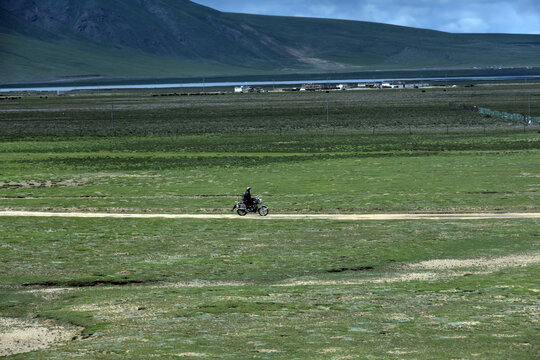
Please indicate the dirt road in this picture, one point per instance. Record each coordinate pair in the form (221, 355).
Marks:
(349, 217)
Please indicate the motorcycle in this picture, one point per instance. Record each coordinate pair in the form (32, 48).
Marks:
(256, 207)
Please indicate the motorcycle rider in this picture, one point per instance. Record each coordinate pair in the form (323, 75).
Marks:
(247, 199)
(250, 204)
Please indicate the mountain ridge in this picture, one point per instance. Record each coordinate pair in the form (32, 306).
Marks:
(156, 38)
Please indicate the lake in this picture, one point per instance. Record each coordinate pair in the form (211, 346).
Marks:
(263, 83)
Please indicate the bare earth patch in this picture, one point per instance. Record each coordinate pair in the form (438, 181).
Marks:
(190, 355)
(440, 269)
(505, 261)
(268, 351)
(48, 293)
(20, 336)
(38, 184)
(435, 270)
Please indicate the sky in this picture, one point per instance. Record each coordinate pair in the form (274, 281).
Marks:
(457, 16)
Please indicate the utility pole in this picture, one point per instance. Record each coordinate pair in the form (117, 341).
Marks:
(327, 112)
(529, 107)
(112, 115)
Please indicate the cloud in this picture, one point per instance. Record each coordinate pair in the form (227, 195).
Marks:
(323, 10)
(460, 16)
(467, 25)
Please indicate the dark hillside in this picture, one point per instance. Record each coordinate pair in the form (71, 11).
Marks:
(49, 39)
(179, 29)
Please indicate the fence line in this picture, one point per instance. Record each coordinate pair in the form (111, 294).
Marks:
(116, 126)
(499, 114)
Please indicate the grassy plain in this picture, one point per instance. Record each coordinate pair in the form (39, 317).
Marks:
(169, 113)
(273, 289)
(293, 289)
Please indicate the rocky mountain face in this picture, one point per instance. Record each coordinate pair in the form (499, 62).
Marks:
(181, 30)
(175, 28)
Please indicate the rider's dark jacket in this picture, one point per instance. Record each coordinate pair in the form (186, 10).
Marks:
(247, 197)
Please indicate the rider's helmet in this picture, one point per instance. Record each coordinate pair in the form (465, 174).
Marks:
(248, 188)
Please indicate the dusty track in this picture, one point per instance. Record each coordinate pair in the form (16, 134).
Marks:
(349, 217)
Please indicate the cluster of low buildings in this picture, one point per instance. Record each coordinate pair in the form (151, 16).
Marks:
(364, 85)
(343, 86)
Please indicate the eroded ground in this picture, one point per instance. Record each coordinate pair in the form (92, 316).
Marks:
(279, 299)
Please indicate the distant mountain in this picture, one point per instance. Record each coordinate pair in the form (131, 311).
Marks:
(54, 39)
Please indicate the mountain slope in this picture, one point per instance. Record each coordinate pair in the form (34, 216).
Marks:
(177, 38)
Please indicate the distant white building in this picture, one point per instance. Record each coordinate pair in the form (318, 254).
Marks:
(247, 89)
(392, 85)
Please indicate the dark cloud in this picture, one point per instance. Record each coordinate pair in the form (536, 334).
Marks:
(460, 16)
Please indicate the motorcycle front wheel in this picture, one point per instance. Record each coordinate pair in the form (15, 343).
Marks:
(263, 211)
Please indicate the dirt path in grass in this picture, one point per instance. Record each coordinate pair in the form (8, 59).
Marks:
(350, 217)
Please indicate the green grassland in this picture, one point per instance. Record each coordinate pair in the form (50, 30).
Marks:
(200, 152)
(227, 289)
(144, 113)
(289, 183)
(283, 289)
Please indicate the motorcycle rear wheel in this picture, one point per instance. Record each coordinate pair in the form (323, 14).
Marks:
(241, 212)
